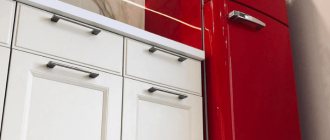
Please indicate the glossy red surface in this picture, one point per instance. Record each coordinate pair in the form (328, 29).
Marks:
(179, 20)
(250, 79)
(264, 95)
(273, 8)
(218, 72)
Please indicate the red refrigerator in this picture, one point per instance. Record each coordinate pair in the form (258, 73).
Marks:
(250, 80)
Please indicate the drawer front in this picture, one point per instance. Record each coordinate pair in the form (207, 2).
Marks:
(68, 40)
(162, 67)
(275, 8)
(160, 115)
(7, 14)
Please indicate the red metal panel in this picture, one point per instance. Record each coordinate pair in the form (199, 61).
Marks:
(263, 85)
(179, 20)
(217, 70)
(274, 8)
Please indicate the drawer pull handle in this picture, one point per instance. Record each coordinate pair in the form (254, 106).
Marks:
(52, 64)
(180, 59)
(56, 18)
(154, 89)
(240, 16)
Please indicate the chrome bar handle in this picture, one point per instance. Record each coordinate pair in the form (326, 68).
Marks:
(237, 15)
(52, 64)
(154, 89)
(180, 59)
(56, 18)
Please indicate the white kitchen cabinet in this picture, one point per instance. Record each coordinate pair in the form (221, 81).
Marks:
(162, 67)
(160, 115)
(68, 39)
(4, 62)
(7, 14)
(60, 103)
(66, 83)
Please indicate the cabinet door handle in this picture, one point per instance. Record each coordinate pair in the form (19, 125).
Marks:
(240, 16)
(180, 59)
(52, 64)
(56, 18)
(154, 89)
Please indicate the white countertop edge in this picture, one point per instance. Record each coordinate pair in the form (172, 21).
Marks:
(109, 24)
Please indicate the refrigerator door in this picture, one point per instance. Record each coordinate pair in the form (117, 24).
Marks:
(273, 8)
(264, 101)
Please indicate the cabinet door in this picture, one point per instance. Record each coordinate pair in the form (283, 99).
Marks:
(275, 8)
(60, 103)
(4, 61)
(263, 85)
(160, 115)
(7, 14)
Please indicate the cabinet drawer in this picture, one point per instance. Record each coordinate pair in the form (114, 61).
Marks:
(162, 67)
(160, 115)
(70, 40)
(7, 10)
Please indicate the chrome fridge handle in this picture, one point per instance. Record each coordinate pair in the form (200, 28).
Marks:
(240, 16)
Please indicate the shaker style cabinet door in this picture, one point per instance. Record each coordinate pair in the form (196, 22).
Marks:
(60, 103)
(159, 114)
(263, 85)
(7, 14)
(4, 61)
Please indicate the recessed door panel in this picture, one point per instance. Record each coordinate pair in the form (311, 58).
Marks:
(67, 111)
(163, 116)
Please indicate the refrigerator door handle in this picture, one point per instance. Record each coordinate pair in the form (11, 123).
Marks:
(240, 16)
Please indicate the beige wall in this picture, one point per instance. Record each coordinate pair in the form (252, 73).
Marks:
(121, 10)
(310, 37)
